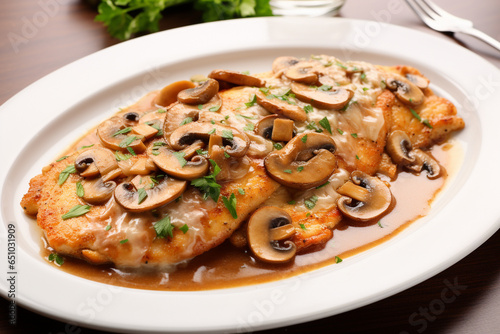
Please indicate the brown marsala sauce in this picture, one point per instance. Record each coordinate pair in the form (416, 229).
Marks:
(227, 266)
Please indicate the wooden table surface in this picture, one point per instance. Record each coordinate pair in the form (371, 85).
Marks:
(67, 32)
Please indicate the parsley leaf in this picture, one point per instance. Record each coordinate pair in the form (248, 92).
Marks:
(311, 202)
(80, 192)
(180, 158)
(208, 185)
(325, 124)
(63, 176)
(76, 211)
(230, 204)
(164, 228)
(142, 195)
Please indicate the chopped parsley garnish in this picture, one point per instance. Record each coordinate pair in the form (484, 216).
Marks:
(311, 202)
(62, 158)
(211, 131)
(288, 171)
(252, 101)
(324, 184)
(58, 259)
(164, 228)
(200, 106)
(226, 155)
(208, 185)
(186, 121)
(123, 241)
(80, 192)
(312, 126)
(88, 146)
(122, 131)
(304, 138)
(338, 259)
(249, 127)
(131, 151)
(159, 143)
(127, 141)
(214, 109)
(243, 116)
(357, 157)
(308, 108)
(121, 157)
(161, 111)
(180, 158)
(354, 135)
(417, 116)
(380, 224)
(292, 202)
(241, 191)
(184, 228)
(230, 204)
(142, 195)
(108, 227)
(201, 152)
(76, 211)
(365, 89)
(264, 90)
(302, 226)
(300, 169)
(325, 124)
(324, 88)
(340, 131)
(228, 134)
(341, 65)
(278, 146)
(63, 176)
(362, 76)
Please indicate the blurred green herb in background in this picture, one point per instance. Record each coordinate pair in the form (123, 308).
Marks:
(124, 18)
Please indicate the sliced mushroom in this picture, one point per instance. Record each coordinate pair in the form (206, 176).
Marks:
(145, 130)
(236, 142)
(424, 161)
(199, 95)
(336, 98)
(131, 118)
(168, 94)
(96, 161)
(180, 113)
(364, 198)
(302, 72)
(266, 228)
(237, 78)
(96, 191)
(175, 163)
(398, 147)
(108, 132)
(265, 126)
(282, 63)
(277, 106)
(216, 154)
(168, 189)
(405, 91)
(418, 80)
(274, 127)
(303, 164)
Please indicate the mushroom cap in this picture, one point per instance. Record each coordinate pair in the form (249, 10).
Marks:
(107, 132)
(282, 63)
(95, 161)
(314, 156)
(168, 94)
(303, 72)
(336, 98)
(96, 191)
(166, 191)
(280, 107)
(406, 91)
(424, 161)
(418, 80)
(266, 227)
(237, 78)
(166, 160)
(368, 204)
(398, 147)
(187, 134)
(200, 94)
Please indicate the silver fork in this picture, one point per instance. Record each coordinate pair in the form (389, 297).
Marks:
(440, 20)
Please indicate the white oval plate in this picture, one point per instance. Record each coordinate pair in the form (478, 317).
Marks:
(39, 122)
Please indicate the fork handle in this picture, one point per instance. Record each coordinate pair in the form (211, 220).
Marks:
(482, 36)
